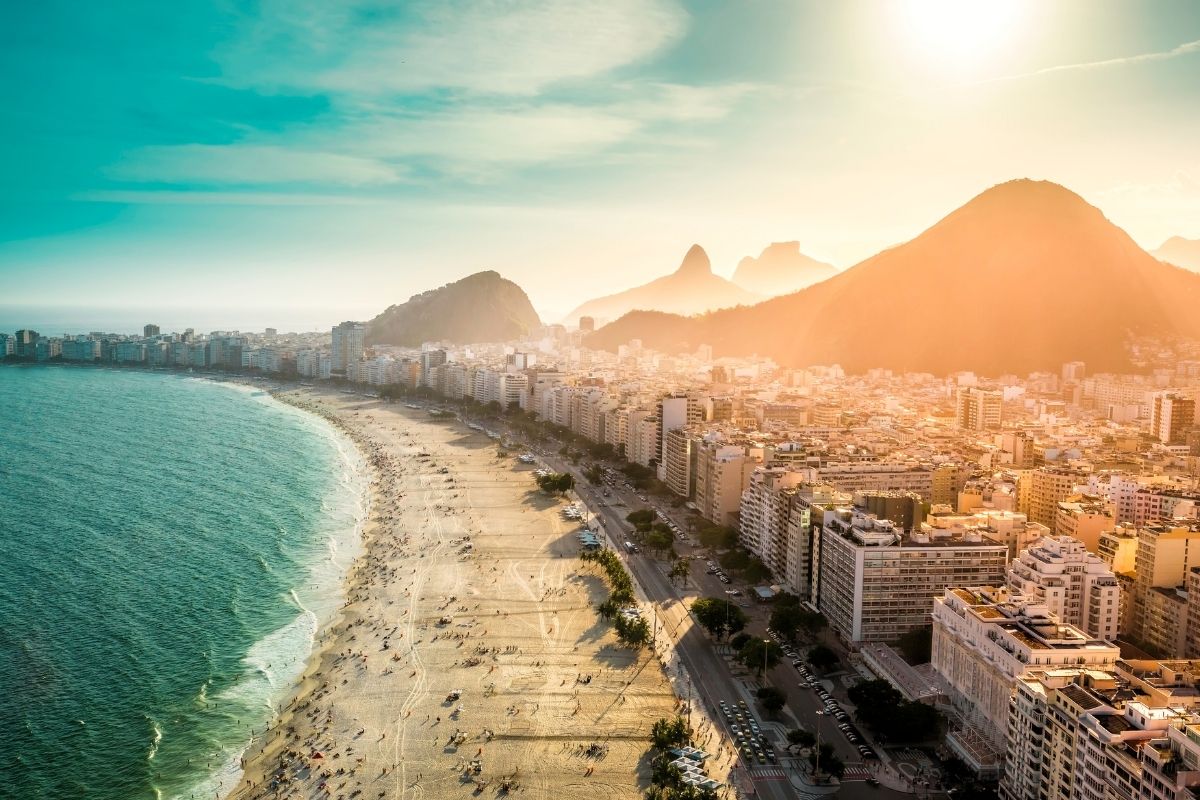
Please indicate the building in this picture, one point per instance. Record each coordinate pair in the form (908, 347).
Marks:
(1084, 517)
(1049, 486)
(1075, 585)
(1129, 733)
(978, 409)
(1165, 553)
(679, 462)
(984, 641)
(150, 331)
(722, 474)
(854, 477)
(587, 324)
(875, 583)
(348, 344)
(1172, 417)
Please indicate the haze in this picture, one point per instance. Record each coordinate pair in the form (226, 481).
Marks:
(348, 155)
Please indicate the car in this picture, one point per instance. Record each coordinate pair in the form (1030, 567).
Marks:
(735, 592)
(710, 571)
(725, 580)
(802, 685)
(797, 663)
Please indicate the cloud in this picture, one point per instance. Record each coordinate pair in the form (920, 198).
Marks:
(506, 48)
(1184, 49)
(251, 164)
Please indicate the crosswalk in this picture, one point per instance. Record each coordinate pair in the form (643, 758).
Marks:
(766, 773)
(856, 774)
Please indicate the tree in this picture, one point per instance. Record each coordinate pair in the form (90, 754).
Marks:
(735, 560)
(718, 616)
(658, 539)
(823, 658)
(594, 474)
(556, 482)
(772, 699)
(798, 737)
(885, 711)
(632, 631)
(721, 537)
(680, 569)
(828, 762)
(740, 641)
(668, 733)
(759, 655)
(785, 620)
(643, 516)
(917, 644)
(812, 623)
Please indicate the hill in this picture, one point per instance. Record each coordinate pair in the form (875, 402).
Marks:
(691, 289)
(781, 269)
(1023, 277)
(483, 307)
(1181, 252)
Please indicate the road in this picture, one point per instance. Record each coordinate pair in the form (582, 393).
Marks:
(701, 659)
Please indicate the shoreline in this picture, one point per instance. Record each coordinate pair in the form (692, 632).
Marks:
(458, 550)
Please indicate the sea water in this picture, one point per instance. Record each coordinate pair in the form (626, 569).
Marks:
(168, 548)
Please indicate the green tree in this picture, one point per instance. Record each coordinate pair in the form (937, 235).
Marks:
(917, 644)
(785, 620)
(885, 711)
(718, 616)
(772, 699)
(720, 537)
(735, 560)
(668, 733)
(658, 539)
(680, 569)
(632, 631)
(643, 516)
(823, 658)
(759, 654)
(812, 623)
(828, 763)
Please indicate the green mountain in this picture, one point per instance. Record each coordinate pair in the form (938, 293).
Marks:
(483, 307)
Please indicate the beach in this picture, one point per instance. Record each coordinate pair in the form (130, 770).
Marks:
(468, 656)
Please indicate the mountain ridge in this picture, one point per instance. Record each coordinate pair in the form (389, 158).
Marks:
(690, 288)
(482, 307)
(937, 303)
(781, 268)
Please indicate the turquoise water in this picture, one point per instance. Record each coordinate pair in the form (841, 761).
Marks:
(169, 546)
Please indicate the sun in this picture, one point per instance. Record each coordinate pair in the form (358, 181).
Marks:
(957, 33)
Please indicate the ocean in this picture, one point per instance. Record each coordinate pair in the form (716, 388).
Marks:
(169, 548)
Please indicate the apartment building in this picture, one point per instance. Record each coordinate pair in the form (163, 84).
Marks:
(875, 582)
(722, 474)
(1165, 553)
(1172, 417)
(1084, 517)
(1049, 486)
(1089, 734)
(347, 348)
(678, 467)
(978, 409)
(984, 640)
(1075, 585)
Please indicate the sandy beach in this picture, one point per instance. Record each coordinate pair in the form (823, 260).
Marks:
(469, 584)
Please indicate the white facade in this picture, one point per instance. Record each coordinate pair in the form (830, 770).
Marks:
(1075, 585)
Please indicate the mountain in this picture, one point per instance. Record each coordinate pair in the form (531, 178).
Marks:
(1181, 252)
(691, 289)
(781, 269)
(483, 307)
(1024, 277)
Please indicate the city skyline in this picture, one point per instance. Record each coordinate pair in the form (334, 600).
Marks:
(241, 154)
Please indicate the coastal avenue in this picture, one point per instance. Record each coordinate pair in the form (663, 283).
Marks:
(693, 647)
(700, 658)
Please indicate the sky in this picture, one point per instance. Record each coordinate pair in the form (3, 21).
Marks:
(342, 156)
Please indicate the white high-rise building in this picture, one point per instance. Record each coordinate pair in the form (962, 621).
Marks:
(1076, 586)
(984, 640)
(348, 341)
